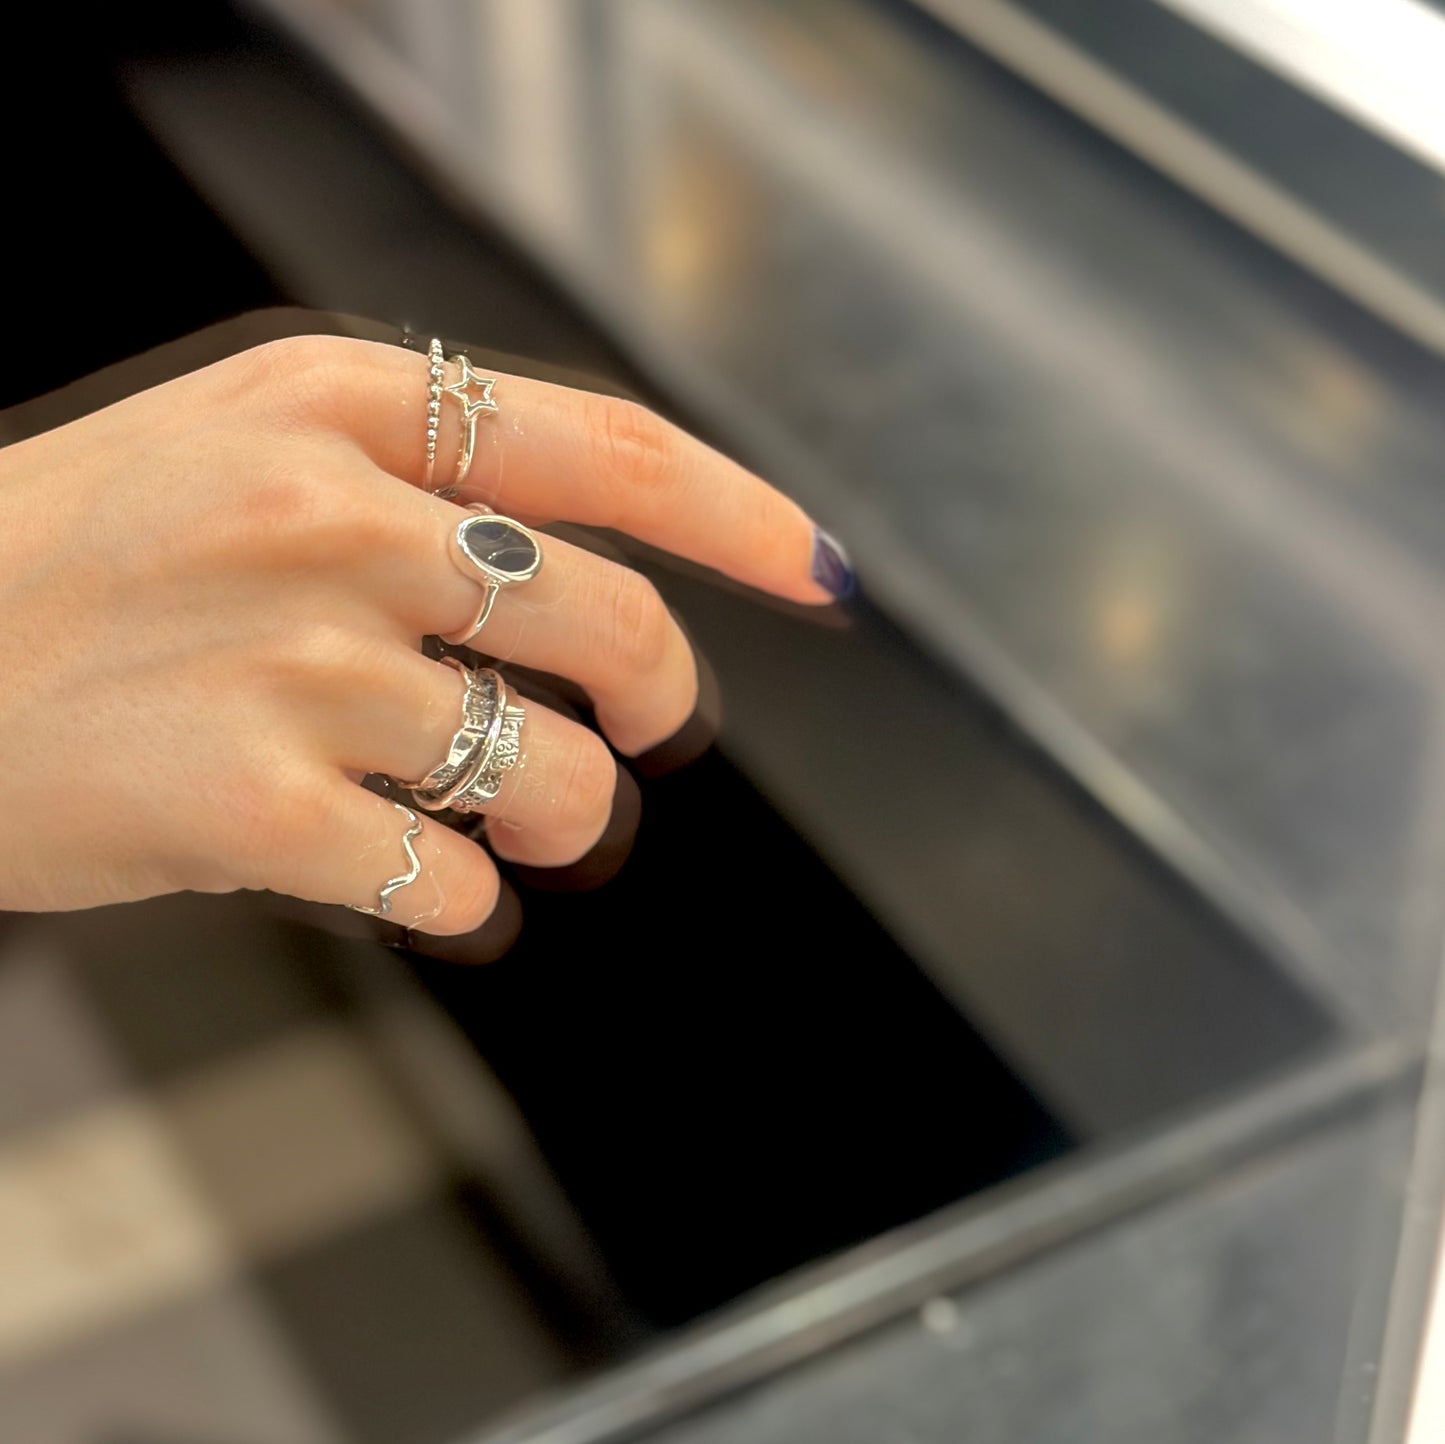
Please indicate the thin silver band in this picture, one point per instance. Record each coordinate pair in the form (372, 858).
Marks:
(483, 405)
(435, 373)
(395, 884)
(490, 592)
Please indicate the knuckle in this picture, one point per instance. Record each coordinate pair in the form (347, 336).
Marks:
(300, 377)
(290, 357)
(268, 819)
(638, 624)
(298, 511)
(322, 656)
(283, 497)
(585, 794)
(634, 449)
(342, 528)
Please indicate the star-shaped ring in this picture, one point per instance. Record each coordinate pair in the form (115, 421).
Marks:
(472, 406)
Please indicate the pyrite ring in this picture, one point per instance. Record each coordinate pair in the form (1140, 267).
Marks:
(401, 880)
(496, 551)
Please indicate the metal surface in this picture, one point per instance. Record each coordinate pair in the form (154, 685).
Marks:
(487, 691)
(1173, 503)
(479, 702)
(436, 370)
(1224, 1316)
(1218, 106)
(1228, 176)
(997, 1232)
(1115, 460)
(1380, 61)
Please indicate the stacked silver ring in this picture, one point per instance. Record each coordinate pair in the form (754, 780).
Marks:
(487, 745)
(505, 754)
(472, 406)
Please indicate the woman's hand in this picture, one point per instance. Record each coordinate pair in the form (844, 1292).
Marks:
(212, 597)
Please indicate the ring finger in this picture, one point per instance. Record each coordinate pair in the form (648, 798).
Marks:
(556, 800)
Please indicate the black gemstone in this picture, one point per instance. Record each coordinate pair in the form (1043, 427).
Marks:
(500, 545)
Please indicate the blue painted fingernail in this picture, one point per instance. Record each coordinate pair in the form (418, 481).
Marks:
(831, 568)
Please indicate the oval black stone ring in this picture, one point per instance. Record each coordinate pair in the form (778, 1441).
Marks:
(496, 551)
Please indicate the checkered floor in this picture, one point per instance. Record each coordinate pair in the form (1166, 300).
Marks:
(247, 1178)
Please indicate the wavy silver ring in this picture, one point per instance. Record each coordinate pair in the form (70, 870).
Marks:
(496, 551)
(395, 884)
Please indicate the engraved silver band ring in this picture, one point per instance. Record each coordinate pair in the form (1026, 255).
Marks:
(506, 752)
(479, 710)
(486, 746)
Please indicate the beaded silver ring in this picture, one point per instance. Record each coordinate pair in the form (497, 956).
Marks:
(436, 373)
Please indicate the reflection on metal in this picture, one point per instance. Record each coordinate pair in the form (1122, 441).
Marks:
(1380, 61)
(982, 1237)
(1140, 592)
(1051, 347)
(1411, 1385)
(1124, 113)
(534, 105)
(685, 90)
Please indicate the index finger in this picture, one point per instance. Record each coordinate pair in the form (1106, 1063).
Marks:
(597, 460)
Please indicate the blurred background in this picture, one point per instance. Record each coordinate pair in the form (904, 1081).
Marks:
(1019, 1024)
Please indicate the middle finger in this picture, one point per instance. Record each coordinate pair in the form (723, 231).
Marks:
(583, 617)
(604, 627)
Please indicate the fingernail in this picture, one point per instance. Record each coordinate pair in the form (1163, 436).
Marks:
(831, 568)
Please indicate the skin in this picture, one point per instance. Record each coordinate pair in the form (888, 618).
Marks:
(215, 594)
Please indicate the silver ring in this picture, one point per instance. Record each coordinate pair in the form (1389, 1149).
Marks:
(479, 708)
(395, 884)
(483, 727)
(504, 756)
(482, 405)
(436, 372)
(496, 551)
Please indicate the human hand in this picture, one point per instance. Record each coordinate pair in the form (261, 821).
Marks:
(213, 595)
